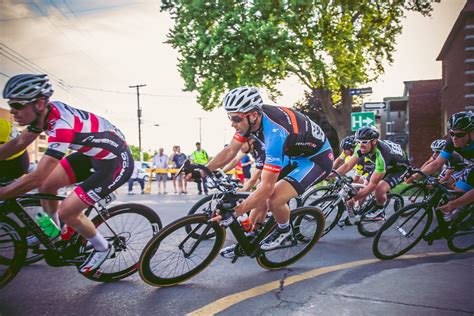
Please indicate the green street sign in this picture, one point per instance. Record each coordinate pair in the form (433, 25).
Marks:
(360, 119)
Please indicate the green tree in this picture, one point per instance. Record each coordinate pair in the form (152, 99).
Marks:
(330, 45)
(136, 153)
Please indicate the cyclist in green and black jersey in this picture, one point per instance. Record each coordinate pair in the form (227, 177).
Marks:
(390, 161)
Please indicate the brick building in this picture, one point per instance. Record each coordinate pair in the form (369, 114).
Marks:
(457, 57)
(424, 117)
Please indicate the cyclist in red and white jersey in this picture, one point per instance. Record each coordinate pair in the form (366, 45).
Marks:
(101, 163)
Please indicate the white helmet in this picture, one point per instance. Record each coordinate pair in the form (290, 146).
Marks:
(243, 99)
(27, 87)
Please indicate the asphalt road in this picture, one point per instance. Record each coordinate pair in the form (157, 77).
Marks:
(340, 276)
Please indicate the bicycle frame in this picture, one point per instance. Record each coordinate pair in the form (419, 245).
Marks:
(14, 207)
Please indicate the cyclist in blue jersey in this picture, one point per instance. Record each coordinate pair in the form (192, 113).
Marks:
(452, 170)
(461, 141)
(288, 136)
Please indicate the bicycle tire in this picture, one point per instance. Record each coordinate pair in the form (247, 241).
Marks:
(331, 215)
(146, 226)
(314, 194)
(463, 238)
(267, 259)
(369, 228)
(396, 229)
(13, 249)
(174, 238)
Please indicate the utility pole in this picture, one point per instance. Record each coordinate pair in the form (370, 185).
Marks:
(139, 115)
(200, 135)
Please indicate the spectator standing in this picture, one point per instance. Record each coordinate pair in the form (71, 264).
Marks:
(178, 161)
(134, 178)
(246, 166)
(199, 156)
(171, 164)
(160, 161)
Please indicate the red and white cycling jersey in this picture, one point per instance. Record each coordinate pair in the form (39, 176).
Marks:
(87, 133)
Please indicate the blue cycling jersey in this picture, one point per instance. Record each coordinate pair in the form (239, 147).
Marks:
(467, 153)
(287, 133)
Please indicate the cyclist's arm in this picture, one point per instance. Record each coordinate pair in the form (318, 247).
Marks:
(427, 162)
(466, 199)
(348, 165)
(17, 144)
(225, 155)
(231, 165)
(252, 181)
(262, 193)
(32, 180)
(433, 166)
(447, 175)
(337, 163)
(374, 180)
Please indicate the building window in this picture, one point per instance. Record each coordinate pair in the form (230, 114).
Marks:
(42, 136)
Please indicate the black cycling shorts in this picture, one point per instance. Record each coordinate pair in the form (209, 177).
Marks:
(97, 178)
(393, 177)
(304, 172)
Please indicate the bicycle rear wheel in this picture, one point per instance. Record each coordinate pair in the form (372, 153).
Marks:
(369, 227)
(463, 239)
(13, 250)
(174, 255)
(128, 227)
(400, 233)
(308, 225)
(332, 211)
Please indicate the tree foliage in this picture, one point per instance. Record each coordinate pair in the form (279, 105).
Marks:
(330, 45)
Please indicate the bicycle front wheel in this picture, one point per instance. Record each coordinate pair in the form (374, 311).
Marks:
(13, 250)
(128, 227)
(463, 239)
(402, 232)
(174, 255)
(307, 225)
(369, 227)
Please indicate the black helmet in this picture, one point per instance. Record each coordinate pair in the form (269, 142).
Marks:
(367, 133)
(461, 121)
(27, 87)
(438, 145)
(348, 143)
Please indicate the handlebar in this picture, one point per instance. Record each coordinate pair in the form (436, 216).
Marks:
(410, 171)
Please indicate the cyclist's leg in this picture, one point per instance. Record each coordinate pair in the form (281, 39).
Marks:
(71, 169)
(390, 180)
(306, 172)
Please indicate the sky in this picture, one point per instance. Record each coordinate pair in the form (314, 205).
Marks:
(94, 50)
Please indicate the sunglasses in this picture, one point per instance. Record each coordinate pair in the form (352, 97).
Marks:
(238, 118)
(458, 135)
(20, 104)
(364, 142)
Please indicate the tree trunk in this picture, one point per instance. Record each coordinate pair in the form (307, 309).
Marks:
(340, 116)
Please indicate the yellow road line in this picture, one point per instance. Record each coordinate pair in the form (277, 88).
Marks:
(228, 301)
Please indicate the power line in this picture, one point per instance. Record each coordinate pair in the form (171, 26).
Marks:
(1, 73)
(124, 92)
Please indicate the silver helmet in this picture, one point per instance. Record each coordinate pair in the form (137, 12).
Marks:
(243, 99)
(27, 87)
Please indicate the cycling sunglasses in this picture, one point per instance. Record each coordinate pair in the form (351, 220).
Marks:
(20, 104)
(458, 135)
(238, 117)
(364, 142)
